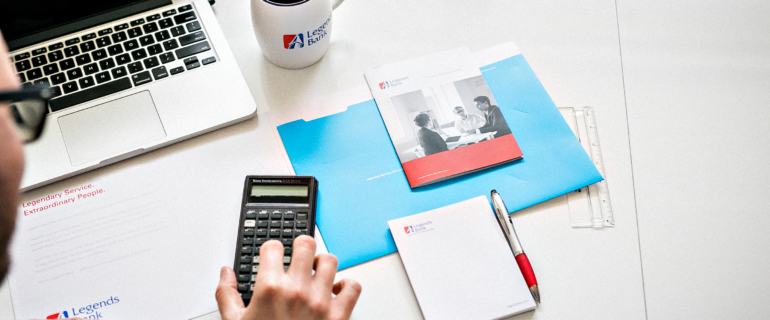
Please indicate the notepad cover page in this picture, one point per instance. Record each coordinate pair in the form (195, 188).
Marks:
(457, 274)
(441, 116)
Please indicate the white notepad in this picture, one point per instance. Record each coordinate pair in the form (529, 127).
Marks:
(459, 264)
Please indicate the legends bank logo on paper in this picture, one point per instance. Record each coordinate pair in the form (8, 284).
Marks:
(417, 228)
(392, 83)
(91, 311)
(296, 41)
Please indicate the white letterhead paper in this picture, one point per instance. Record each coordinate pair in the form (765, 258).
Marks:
(459, 264)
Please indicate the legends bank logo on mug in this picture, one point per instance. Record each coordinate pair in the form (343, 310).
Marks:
(292, 41)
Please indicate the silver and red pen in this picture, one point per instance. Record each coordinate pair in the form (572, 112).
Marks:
(518, 252)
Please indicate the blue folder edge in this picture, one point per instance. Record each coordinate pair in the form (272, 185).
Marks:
(362, 185)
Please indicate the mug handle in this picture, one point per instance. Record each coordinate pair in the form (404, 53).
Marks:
(336, 4)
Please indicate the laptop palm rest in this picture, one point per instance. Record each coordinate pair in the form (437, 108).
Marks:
(111, 128)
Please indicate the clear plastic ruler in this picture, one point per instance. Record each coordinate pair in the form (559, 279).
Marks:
(589, 207)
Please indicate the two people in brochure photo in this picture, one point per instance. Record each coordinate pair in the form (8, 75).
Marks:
(467, 123)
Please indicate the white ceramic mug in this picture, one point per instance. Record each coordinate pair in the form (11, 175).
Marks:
(293, 34)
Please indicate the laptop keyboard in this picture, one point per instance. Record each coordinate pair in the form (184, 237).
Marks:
(116, 58)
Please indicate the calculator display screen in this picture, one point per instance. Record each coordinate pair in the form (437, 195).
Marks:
(279, 191)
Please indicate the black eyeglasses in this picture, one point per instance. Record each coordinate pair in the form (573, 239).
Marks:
(29, 107)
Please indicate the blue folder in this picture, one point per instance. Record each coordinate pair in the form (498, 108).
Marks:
(362, 186)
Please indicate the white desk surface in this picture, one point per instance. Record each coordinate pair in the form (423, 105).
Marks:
(690, 92)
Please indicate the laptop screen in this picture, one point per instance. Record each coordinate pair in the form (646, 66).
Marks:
(25, 22)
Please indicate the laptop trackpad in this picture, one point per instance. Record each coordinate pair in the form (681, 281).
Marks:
(111, 128)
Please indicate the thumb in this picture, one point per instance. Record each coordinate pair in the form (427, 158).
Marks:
(228, 299)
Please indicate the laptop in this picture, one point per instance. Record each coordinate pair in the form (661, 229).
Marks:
(129, 76)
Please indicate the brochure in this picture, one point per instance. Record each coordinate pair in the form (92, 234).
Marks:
(441, 116)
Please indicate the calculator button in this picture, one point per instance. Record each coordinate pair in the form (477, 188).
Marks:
(243, 278)
(286, 260)
(256, 259)
(287, 242)
(263, 215)
(246, 296)
(275, 224)
(255, 269)
(253, 277)
(276, 215)
(245, 259)
(286, 250)
(246, 250)
(243, 287)
(288, 216)
(251, 216)
(249, 232)
(300, 232)
(244, 268)
(250, 223)
(248, 241)
(285, 268)
(275, 233)
(287, 233)
(288, 224)
(302, 215)
(261, 233)
(301, 225)
(260, 241)
(262, 224)
(252, 287)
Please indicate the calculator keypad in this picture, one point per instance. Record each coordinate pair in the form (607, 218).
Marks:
(259, 226)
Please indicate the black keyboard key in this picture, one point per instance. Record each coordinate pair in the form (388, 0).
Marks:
(301, 215)
(135, 67)
(162, 36)
(185, 17)
(83, 59)
(275, 233)
(276, 215)
(90, 94)
(120, 36)
(87, 46)
(67, 64)
(150, 27)
(185, 8)
(34, 74)
(103, 42)
(39, 61)
(260, 241)
(39, 51)
(301, 225)
(154, 49)
(119, 72)
(131, 45)
(22, 77)
(141, 78)
(286, 251)
(116, 49)
(261, 233)
(288, 215)
(134, 32)
(51, 69)
(86, 82)
(247, 241)
(151, 63)
(121, 27)
(166, 23)
(56, 46)
(71, 51)
(177, 70)
(244, 287)
(99, 54)
(23, 66)
(246, 250)
(55, 91)
(58, 78)
(88, 36)
(288, 224)
(21, 56)
(55, 56)
(137, 22)
(260, 223)
(102, 77)
(139, 54)
(177, 31)
(287, 242)
(193, 49)
(169, 12)
(153, 17)
(147, 40)
(275, 224)
(166, 57)
(67, 88)
(170, 45)
(90, 69)
(73, 74)
(193, 26)
(42, 82)
(190, 38)
(107, 64)
(72, 41)
(287, 233)
(105, 32)
(123, 59)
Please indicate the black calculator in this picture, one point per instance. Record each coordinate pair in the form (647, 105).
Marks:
(273, 208)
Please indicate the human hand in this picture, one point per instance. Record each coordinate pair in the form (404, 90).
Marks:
(294, 294)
